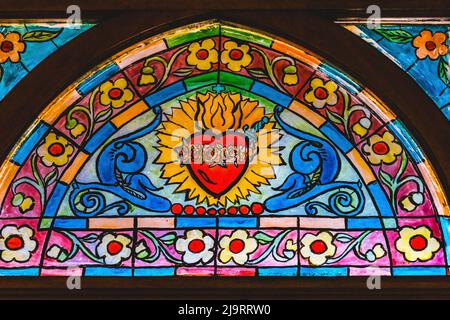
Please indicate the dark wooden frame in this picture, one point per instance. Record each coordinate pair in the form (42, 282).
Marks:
(308, 23)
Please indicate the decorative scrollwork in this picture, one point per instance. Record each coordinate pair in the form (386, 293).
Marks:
(119, 168)
(316, 165)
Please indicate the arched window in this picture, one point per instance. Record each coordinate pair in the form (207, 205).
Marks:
(217, 148)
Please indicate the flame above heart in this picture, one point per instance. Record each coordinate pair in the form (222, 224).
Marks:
(209, 122)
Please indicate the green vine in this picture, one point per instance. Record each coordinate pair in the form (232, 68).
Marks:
(348, 111)
(38, 182)
(395, 183)
(275, 242)
(160, 247)
(147, 71)
(354, 245)
(269, 66)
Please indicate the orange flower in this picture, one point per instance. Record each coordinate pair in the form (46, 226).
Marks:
(430, 45)
(10, 47)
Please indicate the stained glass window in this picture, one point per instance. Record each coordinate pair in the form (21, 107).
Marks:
(26, 44)
(215, 149)
(419, 47)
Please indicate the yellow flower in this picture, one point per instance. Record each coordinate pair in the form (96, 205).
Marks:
(290, 75)
(78, 130)
(417, 244)
(24, 203)
(412, 201)
(317, 249)
(55, 150)
(115, 94)
(235, 56)
(382, 149)
(237, 247)
(321, 94)
(430, 45)
(202, 54)
(10, 47)
(362, 126)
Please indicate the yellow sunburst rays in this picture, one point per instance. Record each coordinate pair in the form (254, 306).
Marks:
(218, 112)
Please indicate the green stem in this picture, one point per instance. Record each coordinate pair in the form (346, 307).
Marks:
(272, 249)
(159, 247)
(78, 245)
(167, 66)
(270, 67)
(354, 245)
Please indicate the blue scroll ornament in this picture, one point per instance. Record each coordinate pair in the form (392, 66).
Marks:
(119, 168)
(316, 165)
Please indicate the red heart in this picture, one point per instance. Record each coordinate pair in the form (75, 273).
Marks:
(217, 179)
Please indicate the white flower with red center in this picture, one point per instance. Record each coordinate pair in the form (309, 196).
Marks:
(237, 247)
(114, 249)
(417, 244)
(317, 249)
(195, 247)
(16, 244)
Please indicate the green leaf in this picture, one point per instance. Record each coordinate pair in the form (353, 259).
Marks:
(51, 177)
(263, 238)
(344, 238)
(183, 72)
(90, 238)
(258, 73)
(386, 178)
(103, 115)
(334, 117)
(444, 71)
(395, 35)
(169, 238)
(40, 35)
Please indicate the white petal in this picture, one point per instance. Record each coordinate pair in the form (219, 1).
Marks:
(26, 232)
(191, 258)
(194, 234)
(9, 230)
(209, 242)
(181, 245)
(240, 258)
(207, 256)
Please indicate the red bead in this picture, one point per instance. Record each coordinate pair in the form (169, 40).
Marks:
(222, 211)
(257, 208)
(177, 208)
(244, 209)
(232, 210)
(201, 211)
(189, 209)
(211, 211)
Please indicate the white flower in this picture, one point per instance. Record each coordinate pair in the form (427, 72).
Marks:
(237, 247)
(16, 244)
(114, 249)
(196, 246)
(317, 249)
(417, 244)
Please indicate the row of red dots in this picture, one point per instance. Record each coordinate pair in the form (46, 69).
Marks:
(255, 208)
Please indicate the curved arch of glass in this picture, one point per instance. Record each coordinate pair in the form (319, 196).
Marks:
(215, 149)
